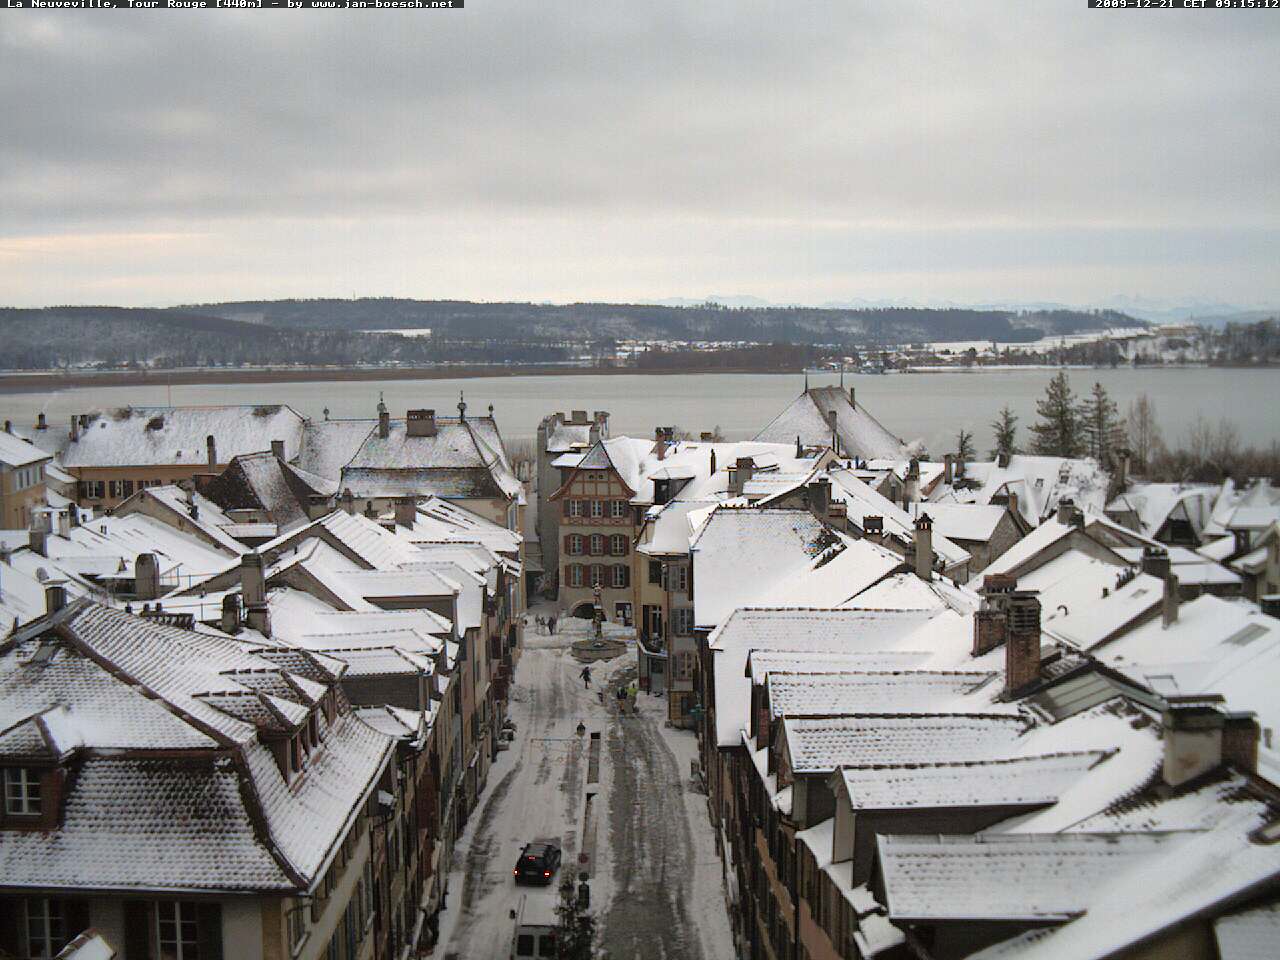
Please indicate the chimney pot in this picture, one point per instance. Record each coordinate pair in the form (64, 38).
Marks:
(211, 447)
(406, 509)
(420, 423)
(1155, 561)
(55, 597)
(924, 547)
(230, 619)
(384, 421)
(41, 422)
(146, 576)
(1066, 511)
(1169, 603)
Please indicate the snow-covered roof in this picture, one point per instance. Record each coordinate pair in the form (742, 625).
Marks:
(563, 437)
(146, 436)
(1153, 503)
(814, 631)
(109, 685)
(1040, 483)
(897, 691)
(329, 445)
(859, 434)
(1086, 616)
(463, 458)
(263, 482)
(820, 744)
(1250, 934)
(1027, 877)
(17, 452)
(963, 521)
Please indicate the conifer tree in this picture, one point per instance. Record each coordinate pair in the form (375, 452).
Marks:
(1058, 432)
(965, 451)
(1005, 428)
(1100, 424)
(577, 933)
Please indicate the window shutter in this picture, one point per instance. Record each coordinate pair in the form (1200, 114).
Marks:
(626, 545)
(137, 930)
(210, 930)
(10, 921)
(626, 576)
(568, 539)
(77, 914)
(564, 506)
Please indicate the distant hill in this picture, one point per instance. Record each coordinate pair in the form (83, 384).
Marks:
(592, 321)
(346, 332)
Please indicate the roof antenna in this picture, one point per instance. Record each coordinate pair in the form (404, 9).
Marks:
(462, 406)
(806, 380)
(841, 374)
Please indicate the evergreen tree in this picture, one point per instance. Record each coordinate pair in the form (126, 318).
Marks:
(965, 451)
(1058, 432)
(1005, 428)
(1100, 425)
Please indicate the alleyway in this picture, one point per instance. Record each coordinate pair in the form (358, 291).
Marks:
(655, 886)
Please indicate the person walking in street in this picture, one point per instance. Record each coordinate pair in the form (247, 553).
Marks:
(586, 676)
(632, 693)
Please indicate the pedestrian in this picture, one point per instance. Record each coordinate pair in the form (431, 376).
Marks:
(600, 696)
(551, 626)
(586, 676)
(632, 693)
(540, 623)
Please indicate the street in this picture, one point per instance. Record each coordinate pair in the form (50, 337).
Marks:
(656, 887)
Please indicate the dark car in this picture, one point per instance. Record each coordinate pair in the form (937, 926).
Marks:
(538, 862)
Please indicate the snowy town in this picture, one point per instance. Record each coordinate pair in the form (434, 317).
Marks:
(373, 689)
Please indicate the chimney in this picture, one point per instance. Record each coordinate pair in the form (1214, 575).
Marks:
(406, 511)
(1002, 460)
(348, 501)
(1013, 502)
(253, 590)
(707, 437)
(64, 524)
(1122, 480)
(713, 463)
(833, 422)
(924, 547)
(41, 422)
(73, 515)
(991, 621)
(146, 576)
(600, 426)
(579, 418)
(1022, 642)
(75, 427)
(1240, 735)
(55, 596)
(948, 469)
(230, 620)
(277, 449)
(911, 489)
(1169, 604)
(1066, 510)
(1193, 733)
(384, 421)
(853, 402)
(819, 495)
(38, 536)
(8, 426)
(663, 437)
(211, 446)
(873, 526)
(1155, 561)
(420, 423)
(743, 471)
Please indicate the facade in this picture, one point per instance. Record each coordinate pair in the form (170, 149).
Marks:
(558, 435)
(22, 481)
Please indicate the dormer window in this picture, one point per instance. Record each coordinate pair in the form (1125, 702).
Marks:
(22, 792)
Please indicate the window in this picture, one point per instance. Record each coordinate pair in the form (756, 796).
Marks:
(178, 930)
(575, 544)
(46, 928)
(93, 489)
(573, 508)
(597, 575)
(680, 579)
(597, 544)
(547, 945)
(655, 571)
(619, 576)
(22, 791)
(575, 575)
(597, 508)
(618, 509)
(120, 488)
(618, 545)
(682, 621)
(524, 945)
(297, 918)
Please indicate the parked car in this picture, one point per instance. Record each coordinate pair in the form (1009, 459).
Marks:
(538, 862)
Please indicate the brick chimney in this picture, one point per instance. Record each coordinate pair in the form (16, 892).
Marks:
(146, 576)
(420, 423)
(663, 437)
(924, 547)
(1169, 602)
(229, 622)
(1193, 734)
(55, 596)
(991, 621)
(406, 511)
(1240, 735)
(1022, 642)
(277, 449)
(211, 450)
(253, 591)
(1155, 561)
(819, 496)
(384, 421)
(743, 471)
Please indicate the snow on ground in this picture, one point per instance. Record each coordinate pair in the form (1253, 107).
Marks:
(655, 890)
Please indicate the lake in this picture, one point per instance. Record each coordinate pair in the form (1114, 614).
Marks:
(928, 406)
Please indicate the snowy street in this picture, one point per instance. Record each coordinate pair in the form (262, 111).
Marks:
(656, 887)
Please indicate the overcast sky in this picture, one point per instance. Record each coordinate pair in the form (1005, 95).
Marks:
(534, 149)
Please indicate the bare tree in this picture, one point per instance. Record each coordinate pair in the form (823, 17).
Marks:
(1144, 432)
